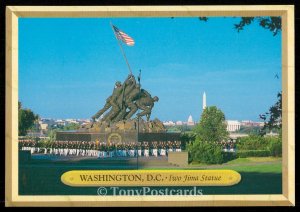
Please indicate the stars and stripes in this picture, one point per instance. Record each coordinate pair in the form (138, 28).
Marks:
(123, 37)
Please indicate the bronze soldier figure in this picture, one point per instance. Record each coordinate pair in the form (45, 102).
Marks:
(146, 103)
(118, 100)
(111, 101)
(129, 87)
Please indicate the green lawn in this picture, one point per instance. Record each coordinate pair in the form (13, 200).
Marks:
(253, 159)
(260, 168)
(242, 161)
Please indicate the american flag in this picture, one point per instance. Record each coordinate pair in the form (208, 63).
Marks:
(123, 37)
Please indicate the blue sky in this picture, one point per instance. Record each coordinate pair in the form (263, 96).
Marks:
(68, 66)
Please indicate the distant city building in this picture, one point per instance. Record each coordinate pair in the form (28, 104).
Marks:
(190, 121)
(260, 124)
(83, 122)
(169, 123)
(60, 122)
(272, 134)
(179, 123)
(204, 101)
(250, 123)
(47, 121)
(233, 125)
(43, 126)
(71, 121)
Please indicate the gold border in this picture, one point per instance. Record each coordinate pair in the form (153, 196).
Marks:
(288, 86)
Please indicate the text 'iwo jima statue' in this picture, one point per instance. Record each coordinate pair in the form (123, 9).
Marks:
(120, 108)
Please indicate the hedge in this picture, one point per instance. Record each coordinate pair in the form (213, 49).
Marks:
(276, 149)
(228, 156)
(255, 142)
(253, 153)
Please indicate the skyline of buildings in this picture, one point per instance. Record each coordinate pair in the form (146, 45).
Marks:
(232, 125)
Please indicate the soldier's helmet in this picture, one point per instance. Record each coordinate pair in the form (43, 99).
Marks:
(155, 98)
(118, 84)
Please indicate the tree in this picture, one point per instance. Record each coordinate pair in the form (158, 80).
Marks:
(273, 118)
(250, 130)
(186, 138)
(272, 23)
(26, 119)
(212, 126)
(52, 135)
(71, 126)
(68, 127)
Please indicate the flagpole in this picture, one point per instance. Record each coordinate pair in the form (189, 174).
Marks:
(138, 123)
(124, 55)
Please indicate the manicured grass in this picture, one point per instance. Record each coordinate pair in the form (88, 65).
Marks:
(259, 168)
(253, 159)
(242, 161)
(275, 167)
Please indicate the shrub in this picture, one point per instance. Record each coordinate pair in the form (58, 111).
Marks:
(276, 148)
(252, 153)
(273, 145)
(228, 156)
(252, 142)
(206, 152)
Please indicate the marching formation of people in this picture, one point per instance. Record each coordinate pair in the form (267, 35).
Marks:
(101, 149)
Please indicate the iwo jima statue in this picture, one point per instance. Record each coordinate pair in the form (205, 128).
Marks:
(120, 108)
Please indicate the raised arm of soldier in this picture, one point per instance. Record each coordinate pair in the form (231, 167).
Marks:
(130, 80)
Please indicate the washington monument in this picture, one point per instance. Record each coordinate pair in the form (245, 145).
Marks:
(204, 101)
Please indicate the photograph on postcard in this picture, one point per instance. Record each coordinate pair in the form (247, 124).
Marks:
(118, 104)
(149, 93)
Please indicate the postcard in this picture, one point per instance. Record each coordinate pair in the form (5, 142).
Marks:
(150, 106)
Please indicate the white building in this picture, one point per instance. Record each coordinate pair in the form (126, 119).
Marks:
(271, 134)
(60, 122)
(204, 101)
(43, 126)
(190, 121)
(179, 123)
(249, 123)
(233, 125)
(169, 123)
